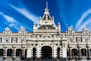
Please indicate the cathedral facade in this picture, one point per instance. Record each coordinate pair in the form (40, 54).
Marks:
(46, 42)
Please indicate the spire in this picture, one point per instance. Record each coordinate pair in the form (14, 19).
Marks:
(47, 4)
(59, 26)
(46, 9)
(46, 15)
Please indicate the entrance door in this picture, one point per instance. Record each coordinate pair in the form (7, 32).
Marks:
(46, 52)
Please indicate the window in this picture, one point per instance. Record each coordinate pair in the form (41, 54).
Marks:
(0, 39)
(16, 40)
(22, 40)
(11, 40)
(79, 39)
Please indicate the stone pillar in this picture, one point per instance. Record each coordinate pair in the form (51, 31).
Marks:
(61, 53)
(79, 57)
(79, 53)
(54, 53)
(70, 53)
(38, 54)
(29, 54)
(5, 53)
(64, 50)
(23, 54)
(13, 53)
(88, 53)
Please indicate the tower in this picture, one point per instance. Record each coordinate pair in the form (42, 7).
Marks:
(46, 23)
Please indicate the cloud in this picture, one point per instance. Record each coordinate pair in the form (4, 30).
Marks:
(10, 21)
(84, 24)
(27, 14)
(14, 25)
(11, 25)
(8, 18)
(84, 15)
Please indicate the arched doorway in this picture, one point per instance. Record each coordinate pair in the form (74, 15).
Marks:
(68, 54)
(74, 53)
(46, 52)
(18, 52)
(1, 52)
(58, 53)
(34, 53)
(9, 52)
(83, 52)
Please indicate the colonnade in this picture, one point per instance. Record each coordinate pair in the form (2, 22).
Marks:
(34, 53)
(13, 53)
(79, 53)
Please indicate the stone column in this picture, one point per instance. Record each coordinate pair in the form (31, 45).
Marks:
(63, 54)
(38, 54)
(70, 53)
(88, 53)
(5, 53)
(29, 54)
(23, 54)
(79, 50)
(54, 52)
(80, 55)
(13, 53)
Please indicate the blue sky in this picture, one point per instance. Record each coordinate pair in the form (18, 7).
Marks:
(16, 13)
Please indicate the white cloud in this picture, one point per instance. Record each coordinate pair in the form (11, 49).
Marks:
(27, 14)
(82, 18)
(11, 21)
(14, 26)
(8, 18)
(84, 24)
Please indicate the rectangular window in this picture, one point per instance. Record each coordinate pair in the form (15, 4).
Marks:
(12, 40)
(16, 40)
(79, 39)
(0, 40)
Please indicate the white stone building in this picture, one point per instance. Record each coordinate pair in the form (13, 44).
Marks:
(46, 42)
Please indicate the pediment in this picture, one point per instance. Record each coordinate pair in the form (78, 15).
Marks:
(46, 27)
